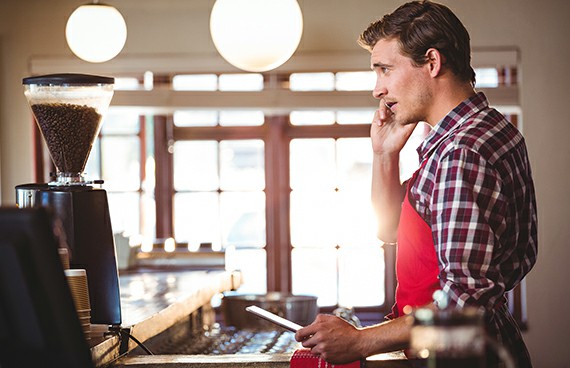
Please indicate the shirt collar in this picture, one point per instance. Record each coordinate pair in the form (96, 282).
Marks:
(452, 121)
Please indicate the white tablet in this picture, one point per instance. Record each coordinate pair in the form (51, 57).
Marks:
(271, 317)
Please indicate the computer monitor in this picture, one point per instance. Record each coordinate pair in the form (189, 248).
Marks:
(39, 326)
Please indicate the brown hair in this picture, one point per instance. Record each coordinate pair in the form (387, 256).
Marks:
(421, 25)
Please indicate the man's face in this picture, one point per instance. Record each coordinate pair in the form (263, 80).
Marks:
(403, 87)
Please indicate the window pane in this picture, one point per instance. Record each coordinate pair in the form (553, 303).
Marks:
(121, 163)
(356, 221)
(312, 117)
(355, 81)
(354, 164)
(242, 118)
(241, 82)
(197, 218)
(195, 82)
(242, 165)
(121, 121)
(312, 163)
(253, 265)
(126, 84)
(196, 165)
(361, 276)
(125, 213)
(347, 117)
(486, 78)
(148, 215)
(195, 118)
(311, 82)
(243, 219)
(314, 272)
(313, 219)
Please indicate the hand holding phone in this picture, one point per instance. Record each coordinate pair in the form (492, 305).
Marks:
(271, 317)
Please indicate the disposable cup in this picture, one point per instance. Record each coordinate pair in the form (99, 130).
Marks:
(77, 281)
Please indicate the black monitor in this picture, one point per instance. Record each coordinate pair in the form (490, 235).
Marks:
(39, 326)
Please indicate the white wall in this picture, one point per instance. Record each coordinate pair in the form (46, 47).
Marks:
(539, 29)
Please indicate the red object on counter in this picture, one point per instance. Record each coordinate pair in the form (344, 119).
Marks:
(303, 358)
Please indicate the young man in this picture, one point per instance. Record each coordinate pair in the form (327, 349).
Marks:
(466, 222)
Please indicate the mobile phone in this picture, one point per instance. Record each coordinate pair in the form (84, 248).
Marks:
(271, 317)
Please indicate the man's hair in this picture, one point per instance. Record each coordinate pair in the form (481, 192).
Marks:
(419, 26)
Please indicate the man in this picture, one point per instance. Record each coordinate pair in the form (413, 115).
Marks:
(466, 221)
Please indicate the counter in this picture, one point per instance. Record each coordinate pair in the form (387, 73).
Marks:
(152, 301)
(155, 303)
(390, 360)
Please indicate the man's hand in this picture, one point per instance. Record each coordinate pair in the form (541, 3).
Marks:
(338, 342)
(388, 134)
(331, 338)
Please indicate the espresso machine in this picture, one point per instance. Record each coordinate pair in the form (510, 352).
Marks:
(68, 109)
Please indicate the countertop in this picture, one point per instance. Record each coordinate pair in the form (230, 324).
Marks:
(389, 360)
(152, 302)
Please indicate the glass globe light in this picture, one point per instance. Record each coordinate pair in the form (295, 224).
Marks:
(256, 35)
(96, 32)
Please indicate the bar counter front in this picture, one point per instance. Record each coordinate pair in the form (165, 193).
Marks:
(164, 308)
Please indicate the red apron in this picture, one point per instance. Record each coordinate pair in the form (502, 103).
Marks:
(416, 261)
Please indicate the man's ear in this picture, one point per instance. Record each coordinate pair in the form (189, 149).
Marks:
(435, 61)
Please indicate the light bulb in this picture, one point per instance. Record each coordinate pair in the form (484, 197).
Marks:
(96, 32)
(256, 35)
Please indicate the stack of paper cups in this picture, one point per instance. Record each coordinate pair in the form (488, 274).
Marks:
(77, 281)
(64, 257)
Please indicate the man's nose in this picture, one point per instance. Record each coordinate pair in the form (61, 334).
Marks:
(379, 91)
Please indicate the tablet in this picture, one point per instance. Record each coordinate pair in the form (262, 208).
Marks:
(271, 317)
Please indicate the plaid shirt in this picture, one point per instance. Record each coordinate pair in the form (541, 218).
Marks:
(476, 192)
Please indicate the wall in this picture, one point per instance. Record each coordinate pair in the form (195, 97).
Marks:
(538, 28)
(3, 23)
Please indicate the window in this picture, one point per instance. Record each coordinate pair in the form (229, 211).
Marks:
(219, 199)
(274, 169)
(117, 157)
(220, 191)
(335, 252)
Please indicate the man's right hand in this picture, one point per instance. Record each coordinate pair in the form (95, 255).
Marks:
(389, 135)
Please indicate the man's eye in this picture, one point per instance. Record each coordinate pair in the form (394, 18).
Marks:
(384, 70)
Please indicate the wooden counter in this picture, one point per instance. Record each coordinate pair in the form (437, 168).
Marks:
(153, 302)
(391, 360)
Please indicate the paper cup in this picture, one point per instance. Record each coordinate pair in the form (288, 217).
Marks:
(77, 281)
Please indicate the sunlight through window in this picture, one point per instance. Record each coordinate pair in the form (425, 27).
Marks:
(311, 82)
(486, 78)
(241, 82)
(355, 81)
(312, 117)
(195, 82)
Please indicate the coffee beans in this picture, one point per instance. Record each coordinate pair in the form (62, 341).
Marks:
(69, 131)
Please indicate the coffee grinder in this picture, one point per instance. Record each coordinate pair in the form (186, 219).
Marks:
(68, 109)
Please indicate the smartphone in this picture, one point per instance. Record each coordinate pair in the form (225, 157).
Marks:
(271, 317)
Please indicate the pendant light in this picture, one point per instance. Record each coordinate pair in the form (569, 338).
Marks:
(96, 32)
(256, 35)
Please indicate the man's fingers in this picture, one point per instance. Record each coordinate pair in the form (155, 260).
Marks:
(377, 118)
(383, 114)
